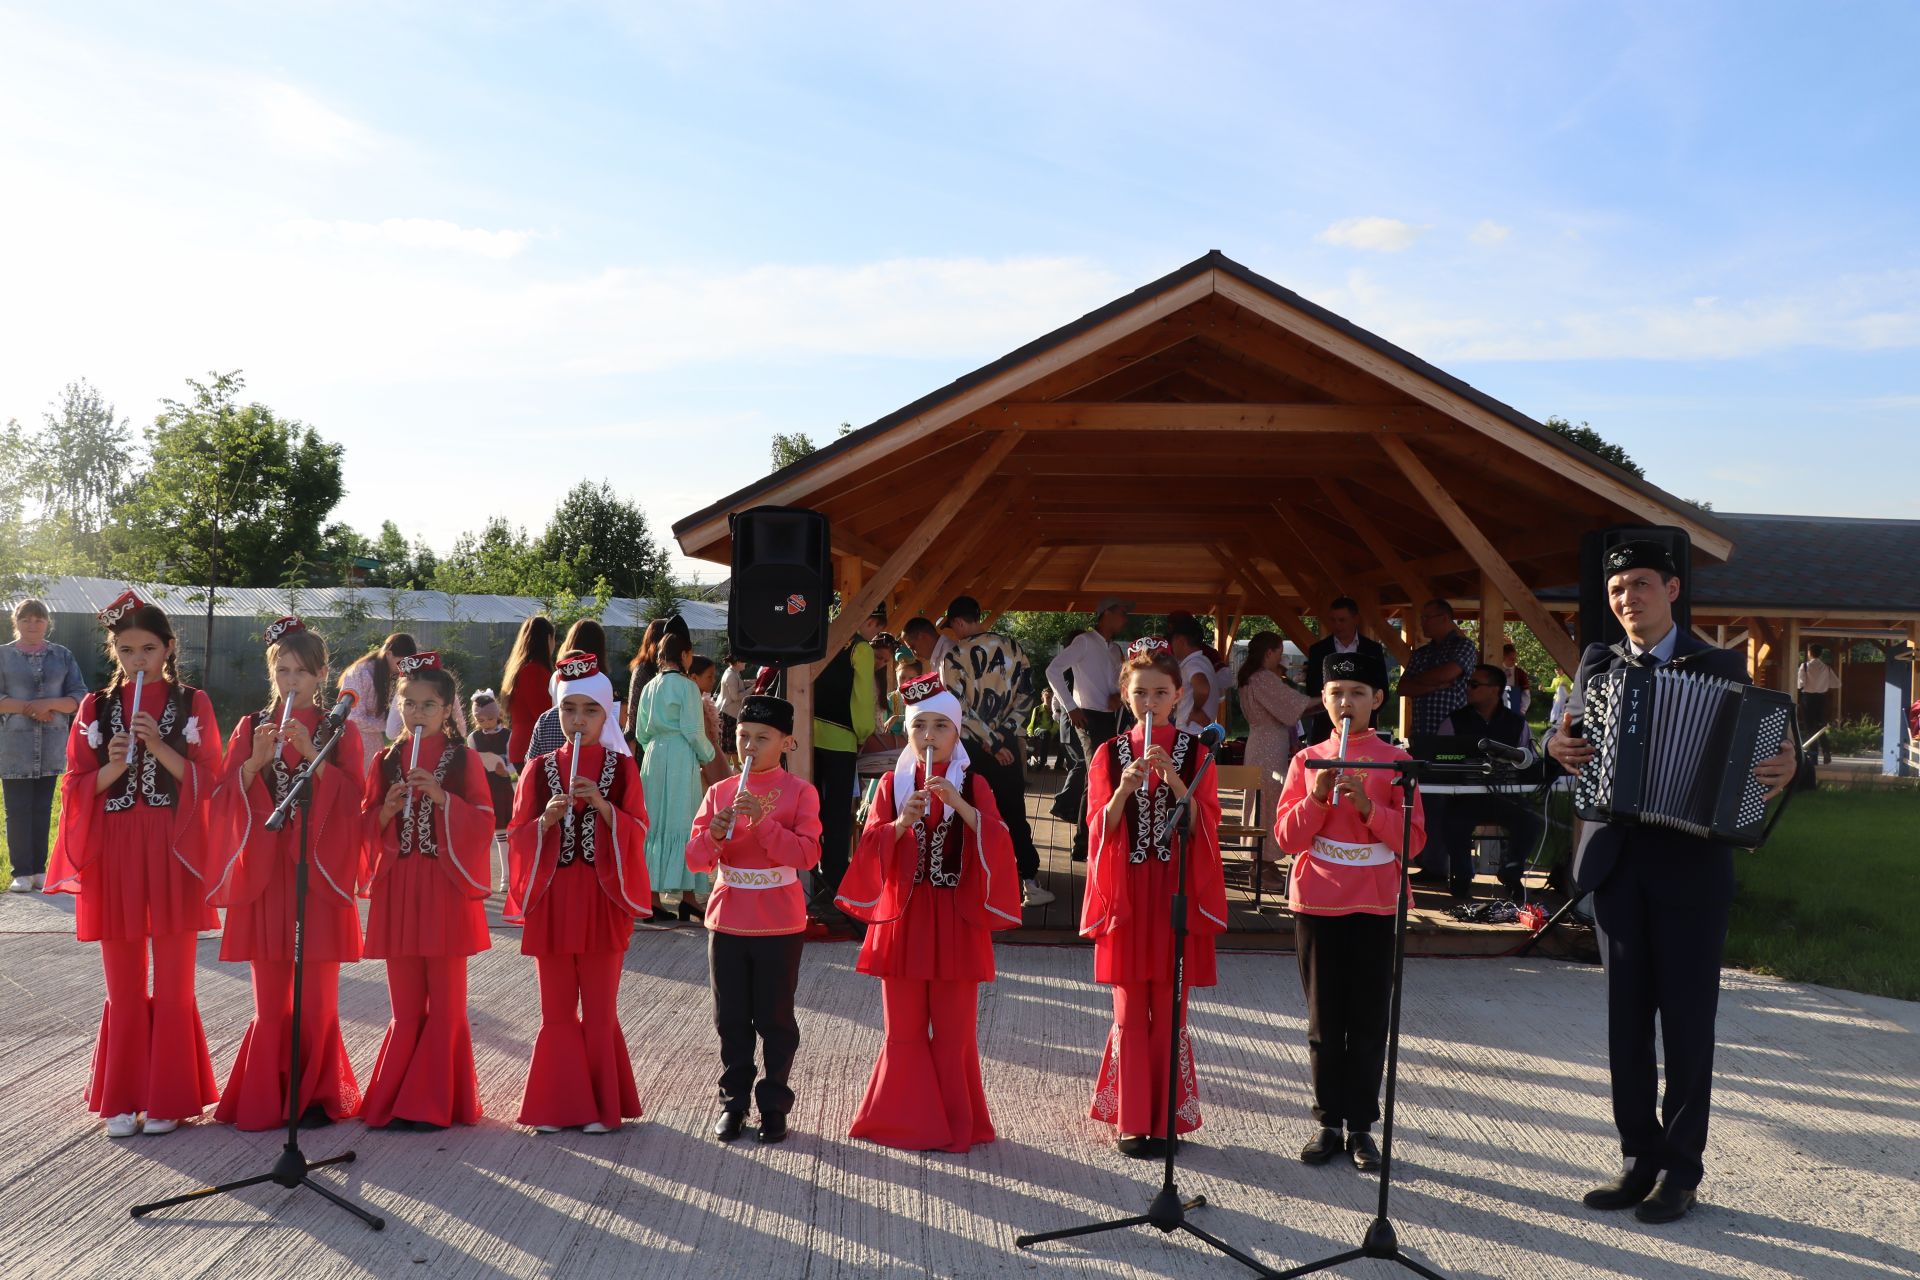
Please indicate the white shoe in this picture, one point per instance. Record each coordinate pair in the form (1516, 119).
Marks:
(546, 1128)
(1032, 895)
(124, 1125)
(39, 883)
(595, 1127)
(21, 884)
(155, 1128)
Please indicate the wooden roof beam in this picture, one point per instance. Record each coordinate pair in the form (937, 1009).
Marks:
(1134, 415)
(1555, 640)
(1361, 523)
(1288, 620)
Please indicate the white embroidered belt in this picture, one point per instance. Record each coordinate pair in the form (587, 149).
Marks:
(1351, 855)
(757, 877)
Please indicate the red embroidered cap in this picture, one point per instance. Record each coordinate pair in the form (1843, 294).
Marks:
(921, 688)
(281, 627)
(123, 604)
(1149, 645)
(425, 660)
(577, 665)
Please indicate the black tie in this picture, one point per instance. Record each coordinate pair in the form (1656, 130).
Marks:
(1648, 659)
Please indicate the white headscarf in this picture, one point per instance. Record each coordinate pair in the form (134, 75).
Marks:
(600, 689)
(940, 704)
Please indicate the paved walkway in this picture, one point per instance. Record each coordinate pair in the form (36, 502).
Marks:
(1812, 1171)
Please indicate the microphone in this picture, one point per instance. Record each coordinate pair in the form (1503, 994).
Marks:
(338, 715)
(1518, 757)
(1212, 736)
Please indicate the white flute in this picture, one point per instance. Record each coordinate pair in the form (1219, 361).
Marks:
(746, 767)
(286, 709)
(1346, 725)
(413, 762)
(573, 775)
(139, 683)
(1146, 745)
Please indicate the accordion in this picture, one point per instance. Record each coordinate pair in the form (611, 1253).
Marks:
(1674, 749)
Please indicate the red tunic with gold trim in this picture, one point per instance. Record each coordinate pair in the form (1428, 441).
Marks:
(1130, 880)
(577, 886)
(426, 877)
(135, 855)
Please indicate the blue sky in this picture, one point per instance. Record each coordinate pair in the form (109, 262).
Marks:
(542, 242)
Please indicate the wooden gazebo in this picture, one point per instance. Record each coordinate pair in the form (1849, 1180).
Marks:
(1216, 443)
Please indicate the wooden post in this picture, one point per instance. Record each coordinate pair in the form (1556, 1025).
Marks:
(800, 694)
(1493, 620)
(1791, 686)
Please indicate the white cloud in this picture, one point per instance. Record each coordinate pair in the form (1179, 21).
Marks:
(1489, 233)
(414, 233)
(294, 121)
(1375, 235)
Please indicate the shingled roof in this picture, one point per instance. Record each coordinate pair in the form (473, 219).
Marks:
(1808, 562)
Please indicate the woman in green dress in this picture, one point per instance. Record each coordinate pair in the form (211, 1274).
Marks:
(671, 727)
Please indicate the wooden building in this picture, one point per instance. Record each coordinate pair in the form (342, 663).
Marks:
(1211, 442)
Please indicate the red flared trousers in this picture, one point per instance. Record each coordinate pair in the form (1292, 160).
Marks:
(580, 1073)
(152, 1052)
(925, 1093)
(425, 1069)
(256, 1093)
(1131, 1092)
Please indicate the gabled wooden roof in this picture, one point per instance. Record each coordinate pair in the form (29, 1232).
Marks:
(1210, 441)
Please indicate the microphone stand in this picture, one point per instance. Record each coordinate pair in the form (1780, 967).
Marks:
(292, 1169)
(1168, 1212)
(1381, 1240)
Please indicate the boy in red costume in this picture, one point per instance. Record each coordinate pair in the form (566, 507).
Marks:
(934, 873)
(142, 759)
(1133, 783)
(755, 834)
(1344, 829)
(254, 881)
(428, 826)
(576, 878)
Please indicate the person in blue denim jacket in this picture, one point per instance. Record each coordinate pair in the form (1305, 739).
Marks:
(40, 689)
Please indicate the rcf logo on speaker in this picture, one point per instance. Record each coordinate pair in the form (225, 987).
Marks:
(796, 604)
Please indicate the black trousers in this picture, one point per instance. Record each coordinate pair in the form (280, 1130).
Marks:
(1463, 813)
(1008, 782)
(753, 980)
(1815, 711)
(1662, 920)
(1099, 729)
(1346, 966)
(29, 803)
(834, 776)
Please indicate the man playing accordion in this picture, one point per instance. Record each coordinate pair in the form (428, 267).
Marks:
(1660, 901)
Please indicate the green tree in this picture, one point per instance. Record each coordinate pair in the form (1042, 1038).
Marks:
(1595, 443)
(600, 535)
(232, 493)
(790, 447)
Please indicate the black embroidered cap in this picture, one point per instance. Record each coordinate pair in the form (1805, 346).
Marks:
(764, 708)
(1368, 668)
(1641, 554)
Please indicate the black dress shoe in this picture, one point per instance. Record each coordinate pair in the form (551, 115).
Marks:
(728, 1126)
(1137, 1147)
(1460, 890)
(773, 1128)
(1668, 1203)
(1625, 1191)
(315, 1117)
(1366, 1156)
(1325, 1146)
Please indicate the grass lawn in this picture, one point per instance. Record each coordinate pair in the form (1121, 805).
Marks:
(1834, 897)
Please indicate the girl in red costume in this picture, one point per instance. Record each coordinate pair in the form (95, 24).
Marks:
(428, 826)
(253, 878)
(142, 760)
(1133, 783)
(576, 878)
(934, 873)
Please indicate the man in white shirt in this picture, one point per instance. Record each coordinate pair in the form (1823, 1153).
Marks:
(1816, 684)
(1199, 693)
(1092, 696)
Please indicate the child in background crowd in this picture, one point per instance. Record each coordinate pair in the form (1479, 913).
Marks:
(490, 740)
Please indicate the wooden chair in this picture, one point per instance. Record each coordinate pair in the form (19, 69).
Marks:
(1245, 833)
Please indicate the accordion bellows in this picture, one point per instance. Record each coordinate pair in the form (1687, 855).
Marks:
(1674, 749)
